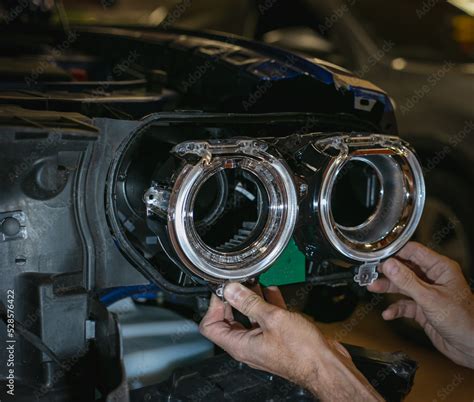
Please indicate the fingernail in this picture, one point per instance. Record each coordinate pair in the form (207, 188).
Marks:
(392, 267)
(389, 314)
(232, 290)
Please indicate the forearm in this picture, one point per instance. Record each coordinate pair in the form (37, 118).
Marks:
(337, 379)
(286, 344)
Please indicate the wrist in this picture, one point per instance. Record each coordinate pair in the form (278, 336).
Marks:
(337, 379)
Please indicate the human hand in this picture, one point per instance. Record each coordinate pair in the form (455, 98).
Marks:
(284, 343)
(442, 302)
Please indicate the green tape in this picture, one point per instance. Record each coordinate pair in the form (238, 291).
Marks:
(288, 268)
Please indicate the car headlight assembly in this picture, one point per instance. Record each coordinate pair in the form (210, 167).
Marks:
(234, 204)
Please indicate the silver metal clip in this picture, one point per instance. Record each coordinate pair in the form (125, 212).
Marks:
(366, 274)
(219, 291)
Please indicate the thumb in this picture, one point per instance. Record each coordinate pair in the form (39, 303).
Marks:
(248, 302)
(405, 280)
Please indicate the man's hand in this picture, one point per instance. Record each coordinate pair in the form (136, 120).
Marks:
(442, 302)
(284, 343)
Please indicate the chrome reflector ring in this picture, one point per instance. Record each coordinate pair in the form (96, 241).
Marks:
(278, 189)
(397, 213)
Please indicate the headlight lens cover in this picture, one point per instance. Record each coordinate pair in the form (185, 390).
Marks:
(369, 221)
(395, 191)
(261, 241)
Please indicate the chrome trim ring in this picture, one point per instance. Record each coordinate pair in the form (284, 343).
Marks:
(397, 214)
(218, 266)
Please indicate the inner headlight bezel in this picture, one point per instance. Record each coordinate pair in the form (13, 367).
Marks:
(218, 266)
(325, 238)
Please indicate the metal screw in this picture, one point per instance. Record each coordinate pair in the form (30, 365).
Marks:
(303, 188)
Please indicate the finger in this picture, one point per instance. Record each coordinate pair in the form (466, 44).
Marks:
(382, 285)
(218, 326)
(274, 296)
(227, 335)
(213, 324)
(401, 308)
(228, 314)
(216, 311)
(339, 348)
(257, 289)
(247, 302)
(426, 259)
(239, 342)
(405, 281)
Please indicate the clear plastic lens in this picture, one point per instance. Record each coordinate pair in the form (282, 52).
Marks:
(259, 243)
(392, 201)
